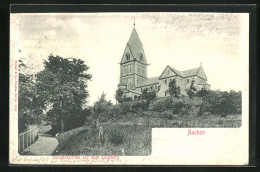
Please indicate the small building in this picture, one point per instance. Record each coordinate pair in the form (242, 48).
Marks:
(133, 73)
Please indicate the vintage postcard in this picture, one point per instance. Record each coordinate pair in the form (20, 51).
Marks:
(148, 88)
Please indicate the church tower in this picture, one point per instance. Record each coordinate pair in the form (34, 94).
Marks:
(133, 65)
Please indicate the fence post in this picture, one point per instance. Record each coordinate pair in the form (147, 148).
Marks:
(19, 140)
(23, 141)
(30, 134)
(27, 140)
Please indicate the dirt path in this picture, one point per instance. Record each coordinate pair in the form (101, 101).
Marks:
(45, 145)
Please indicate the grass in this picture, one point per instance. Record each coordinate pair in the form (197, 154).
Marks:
(85, 141)
(131, 133)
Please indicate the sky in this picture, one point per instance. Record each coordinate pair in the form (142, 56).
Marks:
(180, 40)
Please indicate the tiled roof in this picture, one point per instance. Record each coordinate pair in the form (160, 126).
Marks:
(149, 81)
(203, 82)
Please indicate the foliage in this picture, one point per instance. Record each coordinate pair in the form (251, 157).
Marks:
(127, 99)
(168, 114)
(174, 89)
(126, 107)
(163, 105)
(202, 93)
(140, 106)
(222, 103)
(116, 136)
(30, 105)
(148, 96)
(114, 111)
(181, 108)
(62, 86)
(192, 90)
(102, 105)
(119, 95)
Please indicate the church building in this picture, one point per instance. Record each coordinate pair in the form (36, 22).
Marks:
(133, 73)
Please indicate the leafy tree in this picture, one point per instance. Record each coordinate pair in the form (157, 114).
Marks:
(148, 96)
(101, 106)
(202, 93)
(30, 106)
(62, 86)
(119, 95)
(192, 90)
(174, 89)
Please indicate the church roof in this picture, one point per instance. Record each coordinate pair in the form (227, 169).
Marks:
(149, 81)
(203, 82)
(177, 71)
(191, 72)
(134, 43)
(188, 73)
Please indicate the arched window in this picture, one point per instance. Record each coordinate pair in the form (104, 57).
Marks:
(165, 81)
(188, 80)
(127, 56)
(165, 93)
(141, 57)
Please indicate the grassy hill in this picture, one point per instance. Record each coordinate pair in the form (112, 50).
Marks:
(128, 127)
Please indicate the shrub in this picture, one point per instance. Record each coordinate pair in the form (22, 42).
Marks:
(168, 115)
(223, 103)
(181, 108)
(128, 99)
(163, 105)
(114, 112)
(140, 106)
(125, 107)
(202, 93)
(116, 136)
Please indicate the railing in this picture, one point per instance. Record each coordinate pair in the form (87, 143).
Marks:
(27, 138)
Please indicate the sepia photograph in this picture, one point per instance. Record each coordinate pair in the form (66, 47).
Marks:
(101, 86)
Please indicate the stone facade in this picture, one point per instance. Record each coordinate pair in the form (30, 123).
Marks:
(133, 73)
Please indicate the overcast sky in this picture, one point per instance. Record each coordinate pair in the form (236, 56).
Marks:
(181, 40)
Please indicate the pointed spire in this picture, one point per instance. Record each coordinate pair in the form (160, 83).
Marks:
(201, 63)
(134, 22)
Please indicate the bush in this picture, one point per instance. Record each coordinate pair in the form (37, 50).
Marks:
(202, 93)
(125, 107)
(114, 111)
(127, 99)
(116, 136)
(140, 106)
(168, 115)
(163, 105)
(221, 103)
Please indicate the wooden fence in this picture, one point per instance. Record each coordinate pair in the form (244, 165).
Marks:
(27, 138)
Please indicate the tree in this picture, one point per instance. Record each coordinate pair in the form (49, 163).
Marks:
(148, 96)
(62, 86)
(119, 95)
(174, 89)
(101, 106)
(192, 90)
(30, 106)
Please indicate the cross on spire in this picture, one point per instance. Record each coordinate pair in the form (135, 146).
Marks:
(134, 22)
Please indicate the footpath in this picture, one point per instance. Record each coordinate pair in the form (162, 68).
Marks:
(45, 145)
